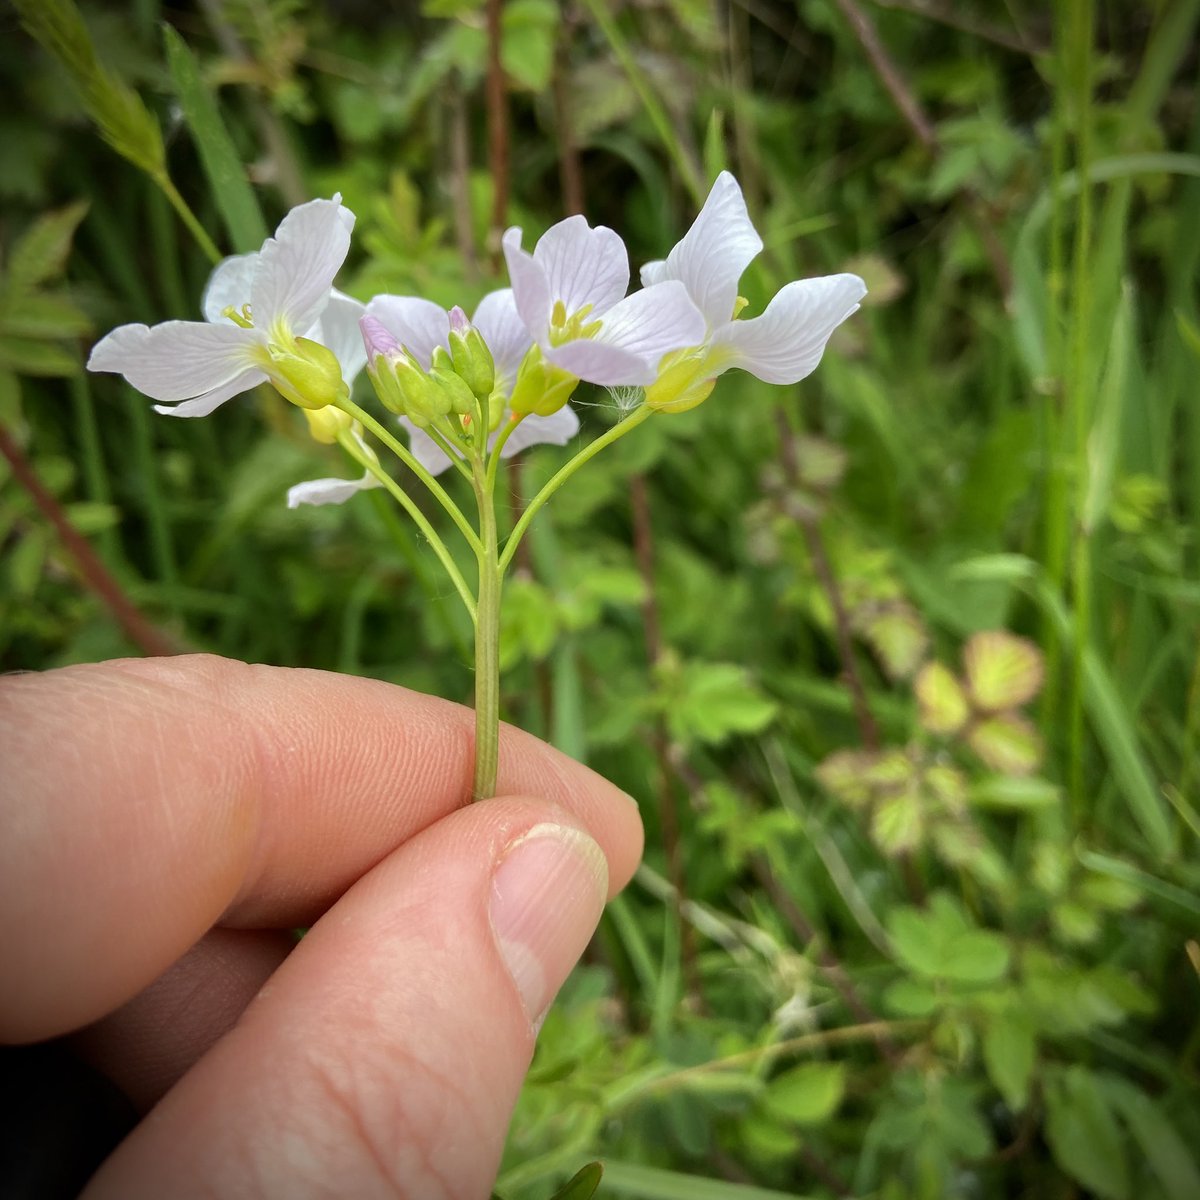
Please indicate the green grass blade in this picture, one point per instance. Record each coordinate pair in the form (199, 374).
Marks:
(652, 1183)
(226, 175)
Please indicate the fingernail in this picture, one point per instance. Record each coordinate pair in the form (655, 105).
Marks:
(548, 892)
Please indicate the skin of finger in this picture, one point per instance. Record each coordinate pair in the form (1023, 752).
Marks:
(145, 800)
(146, 1046)
(383, 1059)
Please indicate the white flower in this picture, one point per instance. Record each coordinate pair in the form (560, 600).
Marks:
(570, 293)
(419, 326)
(269, 317)
(786, 342)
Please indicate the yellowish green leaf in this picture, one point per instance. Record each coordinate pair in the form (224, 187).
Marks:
(1003, 670)
(941, 699)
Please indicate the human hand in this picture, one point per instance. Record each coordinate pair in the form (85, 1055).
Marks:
(169, 821)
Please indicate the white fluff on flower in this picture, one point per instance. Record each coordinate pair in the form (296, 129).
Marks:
(256, 306)
(420, 326)
(786, 342)
(570, 294)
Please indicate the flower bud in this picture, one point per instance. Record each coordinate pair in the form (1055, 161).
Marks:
(306, 373)
(541, 387)
(325, 424)
(472, 359)
(684, 380)
(458, 394)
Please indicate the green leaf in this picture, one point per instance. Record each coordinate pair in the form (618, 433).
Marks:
(1009, 1053)
(940, 943)
(808, 1094)
(10, 400)
(1003, 670)
(41, 252)
(28, 356)
(1164, 1151)
(223, 167)
(654, 1183)
(942, 702)
(528, 33)
(898, 823)
(1083, 1133)
(1015, 793)
(43, 315)
(710, 702)
(25, 563)
(1008, 743)
(911, 998)
(582, 1185)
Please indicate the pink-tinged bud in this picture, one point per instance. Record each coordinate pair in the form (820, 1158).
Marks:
(377, 338)
(458, 320)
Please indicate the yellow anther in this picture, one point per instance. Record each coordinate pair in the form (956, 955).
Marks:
(739, 304)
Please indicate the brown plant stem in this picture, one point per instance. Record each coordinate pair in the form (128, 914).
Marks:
(95, 575)
(810, 528)
(911, 109)
(643, 549)
(460, 179)
(497, 122)
(827, 962)
(570, 174)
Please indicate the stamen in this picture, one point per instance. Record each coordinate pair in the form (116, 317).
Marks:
(739, 304)
(238, 317)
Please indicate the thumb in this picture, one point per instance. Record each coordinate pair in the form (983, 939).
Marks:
(384, 1057)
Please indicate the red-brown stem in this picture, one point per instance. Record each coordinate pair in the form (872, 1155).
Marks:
(92, 570)
(810, 528)
(570, 174)
(497, 118)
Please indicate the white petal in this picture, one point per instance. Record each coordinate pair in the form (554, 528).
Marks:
(583, 265)
(177, 359)
(713, 254)
(419, 325)
(202, 405)
(229, 286)
(328, 491)
(555, 430)
(425, 450)
(498, 321)
(599, 362)
(530, 287)
(297, 266)
(338, 330)
(786, 343)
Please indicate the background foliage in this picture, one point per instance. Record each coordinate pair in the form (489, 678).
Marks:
(902, 663)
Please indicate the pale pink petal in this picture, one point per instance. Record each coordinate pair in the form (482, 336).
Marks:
(786, 343)
(296, 267)
(583, 265)
(202, 405)
(602, 363)
(419, 325)
(653, 322)
(713, 254)
(176, 360)
(338, 330)
(530, 287)
(502, 329)
(229, 286)
(425, 450)
(328, 491)
(555, 430)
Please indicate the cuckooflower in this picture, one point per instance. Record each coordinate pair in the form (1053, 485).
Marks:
(271, 317)
(395, 323)
(570, 293)
(783, 345)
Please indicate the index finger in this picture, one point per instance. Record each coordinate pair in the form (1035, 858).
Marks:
(146, 800)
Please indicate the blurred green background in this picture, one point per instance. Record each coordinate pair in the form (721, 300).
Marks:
(903, 664)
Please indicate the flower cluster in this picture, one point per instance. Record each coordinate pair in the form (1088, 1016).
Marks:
(500, 381)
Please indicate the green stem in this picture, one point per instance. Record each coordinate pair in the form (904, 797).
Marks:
(494, 461)
(487, 645)
(452, 450)
(565, 473)
(180, 205)
(422, 522)
(405, 455)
